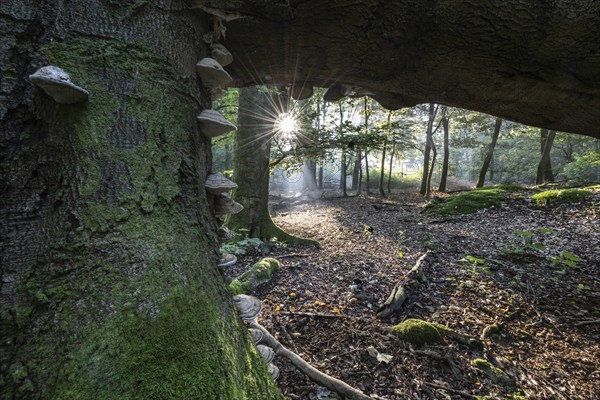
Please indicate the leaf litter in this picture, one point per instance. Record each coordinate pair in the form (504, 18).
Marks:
(533, 272)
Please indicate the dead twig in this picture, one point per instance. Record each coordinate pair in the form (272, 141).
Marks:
(312, 315)
(582, 323)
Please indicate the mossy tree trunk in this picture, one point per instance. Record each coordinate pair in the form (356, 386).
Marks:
(109, 284)
(257, 110)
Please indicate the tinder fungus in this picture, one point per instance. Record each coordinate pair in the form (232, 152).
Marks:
(57, 84)
(227, 260)
(256, 335)
(217, 183)
(248, 306)
(226, 205)
(273, 370)
(220, 54)
(266, 352)
(214, 124)
(212, 73)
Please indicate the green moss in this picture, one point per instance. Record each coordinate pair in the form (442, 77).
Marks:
(136, 306)
(550, 197)
(418, 332)
(494, 373)
(259, 273)
(469, 202)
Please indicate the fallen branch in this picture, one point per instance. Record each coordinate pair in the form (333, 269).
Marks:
(400, 292)
(442, 358)
(331, 383)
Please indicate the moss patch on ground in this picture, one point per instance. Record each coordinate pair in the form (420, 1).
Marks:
(419, 332)
(494, 373)
(469, 202)
(552, 197)
(258, 274)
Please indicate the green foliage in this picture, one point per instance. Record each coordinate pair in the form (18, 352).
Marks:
(585, 168)
(469, 202)
(524, 242)
(565, 259)
(475, 264)
(551, 197)
(241, 244)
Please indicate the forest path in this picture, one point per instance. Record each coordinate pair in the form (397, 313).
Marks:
(370, 243)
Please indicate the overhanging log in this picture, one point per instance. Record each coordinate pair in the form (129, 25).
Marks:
(523, 60)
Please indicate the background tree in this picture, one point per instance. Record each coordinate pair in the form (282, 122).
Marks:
(489, 154)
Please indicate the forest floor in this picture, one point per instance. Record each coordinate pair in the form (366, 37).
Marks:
(494, 266)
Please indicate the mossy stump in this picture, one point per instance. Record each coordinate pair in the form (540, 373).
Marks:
(258, 274)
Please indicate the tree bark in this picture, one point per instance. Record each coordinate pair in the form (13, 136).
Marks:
(426, 155)
(544, 170)
(524, 60)
(109, 286)
(445, 162)
(490, 153)
(251, 172)
(389, 182)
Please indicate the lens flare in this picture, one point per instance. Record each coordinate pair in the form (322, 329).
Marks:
(287, 124)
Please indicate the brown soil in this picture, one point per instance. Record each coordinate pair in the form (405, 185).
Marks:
(549, 313)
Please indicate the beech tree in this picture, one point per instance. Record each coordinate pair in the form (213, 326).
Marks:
(109, 285)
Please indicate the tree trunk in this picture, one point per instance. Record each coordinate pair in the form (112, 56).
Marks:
(490, 153)
(320, 174)
(343, 166)
(109, 282)
(389, 182)
(426, 155)
(308, 175)
(444, 177)
(522, 66)
(384, 151)
(356, 170)
(367, 113)
(360, 174)
(252, 167)
(544, 170)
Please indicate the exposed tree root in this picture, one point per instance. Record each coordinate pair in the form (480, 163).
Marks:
(314, 374)
(400, 292)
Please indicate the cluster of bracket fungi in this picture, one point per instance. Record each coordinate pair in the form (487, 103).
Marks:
(248, 308)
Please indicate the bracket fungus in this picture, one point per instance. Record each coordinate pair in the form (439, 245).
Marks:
(227, 260)
(266, 352)
(225, 233)
(220, 54)
(217, 184)
(273, 370)
(248, 306)
(256, 335)
(57, 84)
(226, 205)
(214, 124)
(212, 73)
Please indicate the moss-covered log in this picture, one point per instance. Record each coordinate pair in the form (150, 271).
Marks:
(261, 272)
(109, 283)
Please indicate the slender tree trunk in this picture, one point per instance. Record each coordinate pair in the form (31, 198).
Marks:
(444, 177)
(430, 174)
(426, 155)
(109, 286)
(320, 182)
(367, 113)
(544, 170)
(389, 182)
(308, 175)
(368, 182)
(356, 170)
(490, 153)
(252, 166)
(343, 166)
(385, 144)
(359, 174)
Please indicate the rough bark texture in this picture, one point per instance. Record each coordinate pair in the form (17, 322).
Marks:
(446, 160)
(109, 287)
(544, 169)
(531, 61)
(489, 154)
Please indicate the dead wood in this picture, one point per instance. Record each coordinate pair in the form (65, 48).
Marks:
(314, 374)
(312, 315)
(442, 358)
(400, 292)
(458, 392)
